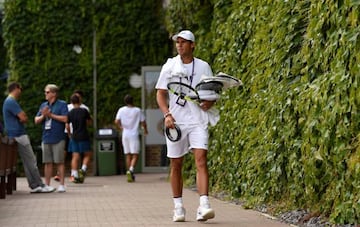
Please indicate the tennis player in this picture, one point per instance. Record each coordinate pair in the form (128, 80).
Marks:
(192, 120)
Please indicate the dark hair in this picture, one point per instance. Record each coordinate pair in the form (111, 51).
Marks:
(75, 99)
(128, 100)
(80, 92)
(13, 85)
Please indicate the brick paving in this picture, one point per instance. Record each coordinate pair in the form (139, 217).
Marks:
(111, 201)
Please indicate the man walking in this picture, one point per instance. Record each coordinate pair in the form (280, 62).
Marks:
(128, 119)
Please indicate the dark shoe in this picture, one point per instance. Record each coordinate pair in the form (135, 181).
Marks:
(82, 175)
(74, 180)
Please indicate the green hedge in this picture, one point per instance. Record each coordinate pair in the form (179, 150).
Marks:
(40, 36)
(289, 137)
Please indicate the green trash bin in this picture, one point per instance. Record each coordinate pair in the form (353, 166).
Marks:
(106, 149)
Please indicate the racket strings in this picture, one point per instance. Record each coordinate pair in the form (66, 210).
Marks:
(182, 90)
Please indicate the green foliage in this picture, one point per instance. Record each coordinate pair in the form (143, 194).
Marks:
(40, 36)
(291, 134)
(3, 62)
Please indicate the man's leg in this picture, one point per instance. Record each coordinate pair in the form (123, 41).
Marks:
(48, 168)
(85, 163)
(128, 161)
(75, 157)
(28, 158)
(87, 159)
(134, 158)
(176, 182)
(130, 169)
(202, 175)
(61, 171)
(204, 212)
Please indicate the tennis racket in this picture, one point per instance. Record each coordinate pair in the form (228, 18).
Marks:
(184, 91)
(227, 80)
(173, 134)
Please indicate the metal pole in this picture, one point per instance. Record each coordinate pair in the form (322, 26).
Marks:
(94, 100)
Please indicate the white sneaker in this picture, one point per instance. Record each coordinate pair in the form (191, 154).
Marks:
(47, 189)
(44, 189)
(204, 213)
(38, 189)
(61, 188)
(179, 214)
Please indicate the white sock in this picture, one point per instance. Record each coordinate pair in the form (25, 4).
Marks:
(178, 202)
(84, 167)
(131, 168)
(74, 173)
(204, 201)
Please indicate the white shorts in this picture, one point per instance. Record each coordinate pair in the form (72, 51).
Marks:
(131, 145)
(192, 136)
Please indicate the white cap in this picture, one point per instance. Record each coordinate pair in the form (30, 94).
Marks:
(208, 95)
(186, 34)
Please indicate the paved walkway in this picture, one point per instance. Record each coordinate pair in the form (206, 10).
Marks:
(111, 201)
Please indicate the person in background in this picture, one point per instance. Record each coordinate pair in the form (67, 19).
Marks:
(85, 163)
(128, 119)
(14, 120)
(192, 120)
(52, 115)
(79, 137)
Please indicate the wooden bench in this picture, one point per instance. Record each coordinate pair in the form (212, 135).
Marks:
(8, 166)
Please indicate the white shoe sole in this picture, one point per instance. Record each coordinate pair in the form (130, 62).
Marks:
(181, 215)
(179, 219)
(209, 214)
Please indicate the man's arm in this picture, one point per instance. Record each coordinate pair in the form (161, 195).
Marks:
(162, 100)
(39, 119)
(143, 124)
(61, 118)
(22, 117)
(118, 123)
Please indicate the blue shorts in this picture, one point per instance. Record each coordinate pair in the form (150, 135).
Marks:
(79, 146)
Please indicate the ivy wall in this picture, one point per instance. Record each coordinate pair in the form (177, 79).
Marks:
(290, 137)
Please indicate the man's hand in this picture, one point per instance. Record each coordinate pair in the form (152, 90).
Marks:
(206, 105)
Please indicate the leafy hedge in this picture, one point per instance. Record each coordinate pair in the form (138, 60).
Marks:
(40, 36)
(288, 138)
(3, 62)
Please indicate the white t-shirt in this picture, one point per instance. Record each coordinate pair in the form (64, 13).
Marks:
(82, 105)
(174, 71)
(130, 118)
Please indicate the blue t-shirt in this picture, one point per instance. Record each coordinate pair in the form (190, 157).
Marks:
(56, 131)
(13, 126)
